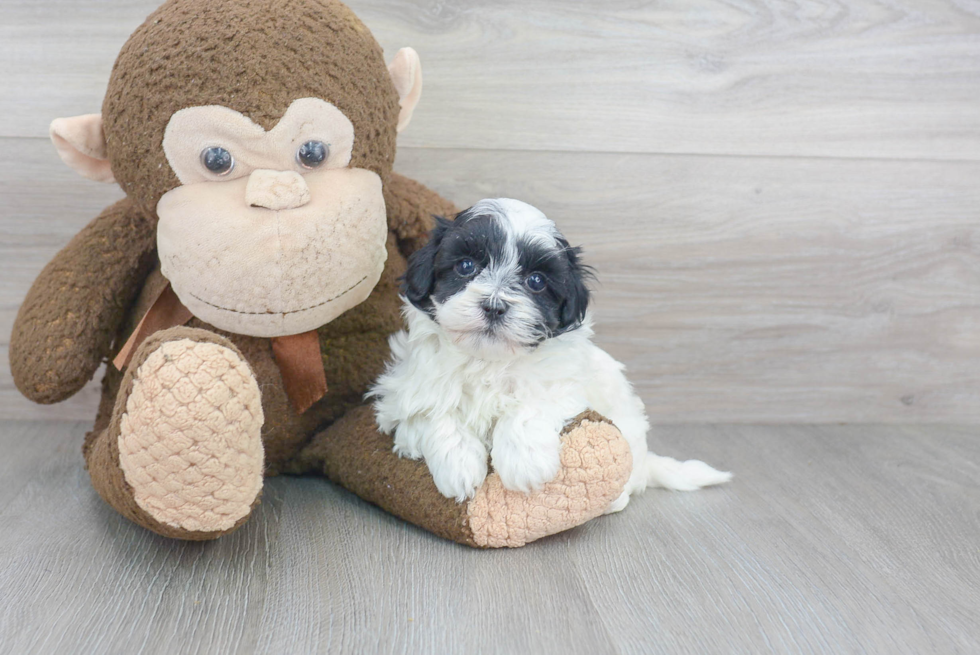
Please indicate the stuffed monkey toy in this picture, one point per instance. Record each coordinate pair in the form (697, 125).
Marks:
(244, 290)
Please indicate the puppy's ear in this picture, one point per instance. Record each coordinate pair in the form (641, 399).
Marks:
(576, 299)
(420, 276)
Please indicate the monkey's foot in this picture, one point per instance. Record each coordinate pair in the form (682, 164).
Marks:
(183, 454)
(595, 465)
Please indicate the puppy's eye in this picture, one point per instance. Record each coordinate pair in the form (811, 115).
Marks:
(465, 267)
(535, 282)
(312, 153)
(217, 160)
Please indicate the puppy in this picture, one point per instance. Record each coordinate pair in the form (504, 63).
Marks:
(498, 357)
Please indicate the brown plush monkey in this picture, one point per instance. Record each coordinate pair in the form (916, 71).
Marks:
(246, 286)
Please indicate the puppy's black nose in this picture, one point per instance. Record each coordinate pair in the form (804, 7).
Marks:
(494, 309)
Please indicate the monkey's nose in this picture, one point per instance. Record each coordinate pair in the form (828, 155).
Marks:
(276, 189)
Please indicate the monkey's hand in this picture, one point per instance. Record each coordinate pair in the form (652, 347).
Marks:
(411, 207)
(66, 324)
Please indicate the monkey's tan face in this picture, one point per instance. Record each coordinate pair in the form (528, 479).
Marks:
(270, 233)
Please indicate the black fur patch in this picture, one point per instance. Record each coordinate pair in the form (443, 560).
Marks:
(566, 297)
(431, 269)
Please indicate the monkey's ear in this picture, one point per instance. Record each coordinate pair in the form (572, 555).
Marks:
(81, 144)
(406, 72)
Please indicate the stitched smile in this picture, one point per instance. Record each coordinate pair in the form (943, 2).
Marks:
(292, 311)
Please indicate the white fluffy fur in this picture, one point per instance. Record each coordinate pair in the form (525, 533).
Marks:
(453, 409)
(454, 394)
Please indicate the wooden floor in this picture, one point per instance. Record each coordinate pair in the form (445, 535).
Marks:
(838, 539)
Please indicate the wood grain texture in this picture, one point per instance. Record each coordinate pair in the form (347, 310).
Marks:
(830, 540)
(734, 288)
(818, 77)
(765, 289)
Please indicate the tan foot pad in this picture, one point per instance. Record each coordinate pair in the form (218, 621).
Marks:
(596, 464)
(189, 443)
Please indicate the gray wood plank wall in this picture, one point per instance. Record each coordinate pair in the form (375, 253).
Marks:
(782, 199)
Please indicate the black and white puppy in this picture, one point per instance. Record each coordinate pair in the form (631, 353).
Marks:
(498, 357)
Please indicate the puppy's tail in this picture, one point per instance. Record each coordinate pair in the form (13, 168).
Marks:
(693, 474)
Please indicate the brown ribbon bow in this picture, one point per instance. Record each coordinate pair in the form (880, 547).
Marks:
(297, 356)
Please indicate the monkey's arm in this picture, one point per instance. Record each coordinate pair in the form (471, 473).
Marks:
(66, 324)
(411, 207)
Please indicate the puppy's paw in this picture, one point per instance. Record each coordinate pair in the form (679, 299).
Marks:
(595, 466)
(458, 472)
(526, 466)
(407, 441)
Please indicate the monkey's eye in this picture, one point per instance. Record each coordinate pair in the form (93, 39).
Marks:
(312, 153)
(465, 267)
(536, 282)
(217, 160)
